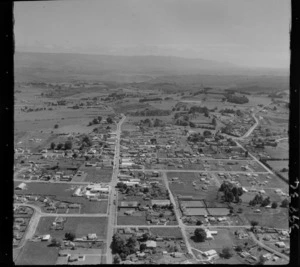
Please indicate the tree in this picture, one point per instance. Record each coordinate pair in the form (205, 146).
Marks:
(192, 125)
(266, 202)
(214, 122)
(206, 133)
(52, 145)
(59, 146)
(99, 119)
(68, 145)
(132, 244)
(199, 222)
(200, 234)
(229, 197)
(285, 203)
(261, 260)
(55, 126)
(86, 140)
(118, 244)
(227, 253)
(240, 210)
(146, 236)
(239, 248)
(117, 259)
(109, 120)
(95, 121)
(253, 224)
(274, 205)
(70, 236)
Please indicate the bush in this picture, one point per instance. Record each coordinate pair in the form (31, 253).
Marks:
(55, 126)
(274, 205)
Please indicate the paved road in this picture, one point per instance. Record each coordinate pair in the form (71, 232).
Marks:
(178, 217)
(281, 139)
(268, 248)
(112, 218)
(265, 167)
(45, 214)
(200, 171)
(51, 182)
(252, 128)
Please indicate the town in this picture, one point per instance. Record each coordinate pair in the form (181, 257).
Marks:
(131, 177)
(152, 132)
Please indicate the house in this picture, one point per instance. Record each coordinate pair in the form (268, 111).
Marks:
(21, 186)
(267, 256)
(209, 234)
(128, 204)
(280, 244)
(92, 236)
(176, 254)
(129, 212)
(151, 244)
(211, 254)
(46, 237)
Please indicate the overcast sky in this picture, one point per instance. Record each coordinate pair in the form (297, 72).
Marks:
(244, 32)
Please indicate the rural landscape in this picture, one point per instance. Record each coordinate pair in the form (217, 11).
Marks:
(149, 160)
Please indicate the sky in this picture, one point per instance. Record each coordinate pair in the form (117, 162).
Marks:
(253, 33)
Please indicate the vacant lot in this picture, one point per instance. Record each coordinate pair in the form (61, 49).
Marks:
(81, 226)
(277, 218)
(279, 152)
(52, 189)
(37, 253)
(222, 239)
(278, 165)
(166, 232)
(132, 220)
(97, 175)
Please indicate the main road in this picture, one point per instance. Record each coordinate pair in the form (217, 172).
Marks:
(112, 205)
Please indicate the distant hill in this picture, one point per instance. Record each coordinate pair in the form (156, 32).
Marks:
(61, 67)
